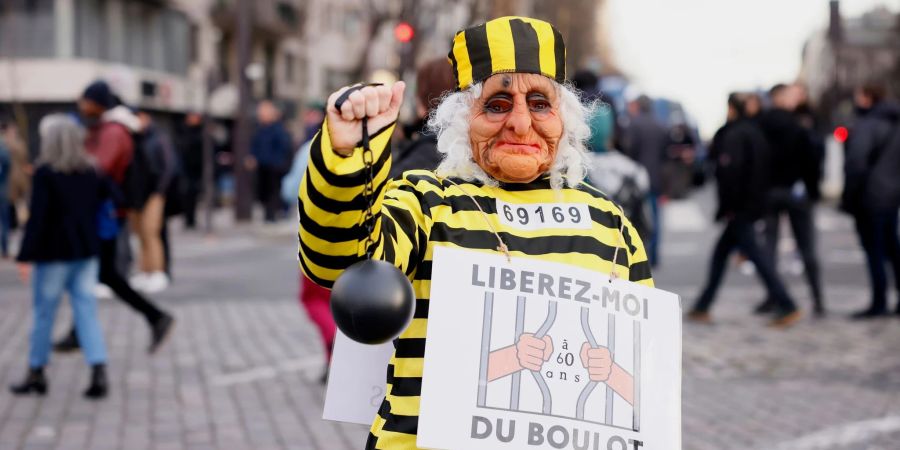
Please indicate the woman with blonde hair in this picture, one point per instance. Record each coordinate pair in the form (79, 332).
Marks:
(61, 241)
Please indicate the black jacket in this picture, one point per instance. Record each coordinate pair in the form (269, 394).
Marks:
(151, 169)
(794, 158)
(62, 221)
(872, 161)
(742, 161)
(190, 148)
(418, 153)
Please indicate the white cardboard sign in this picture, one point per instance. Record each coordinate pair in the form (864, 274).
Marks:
(540, 355)
(356, 380)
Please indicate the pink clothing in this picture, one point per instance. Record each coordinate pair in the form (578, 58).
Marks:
(317, 302)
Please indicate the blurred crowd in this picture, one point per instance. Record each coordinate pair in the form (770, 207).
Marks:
(108, 171)
(767, 160)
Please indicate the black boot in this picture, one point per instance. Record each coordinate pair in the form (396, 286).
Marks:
(99, 384)
(159, 332)
(68, 343)
(34, 382)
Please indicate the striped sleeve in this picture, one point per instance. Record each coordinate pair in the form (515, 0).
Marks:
(638, 262)
(332, 209)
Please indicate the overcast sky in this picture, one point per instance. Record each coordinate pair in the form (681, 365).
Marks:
(696, 51)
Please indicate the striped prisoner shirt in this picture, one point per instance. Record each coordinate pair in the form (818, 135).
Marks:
(419, 211)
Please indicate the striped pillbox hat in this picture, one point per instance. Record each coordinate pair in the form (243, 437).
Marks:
(504, 45)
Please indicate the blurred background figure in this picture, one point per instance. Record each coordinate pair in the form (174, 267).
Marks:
(20, 171)
(271, 152)
(61, 240)
(795, 172)
(314, 299)
(109, 142)
(742, 164)
(646, 141)
(872, 189)
(622, 179)
(190, 152)
(151, 173)
(5, 206)
(419, 151)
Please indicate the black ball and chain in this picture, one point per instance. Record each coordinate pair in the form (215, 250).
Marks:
(372, 301)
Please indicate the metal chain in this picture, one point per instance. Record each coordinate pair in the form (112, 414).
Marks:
(368, 189)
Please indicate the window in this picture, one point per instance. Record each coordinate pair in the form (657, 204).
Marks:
(27, 28)
(289, 62)
(152, 36)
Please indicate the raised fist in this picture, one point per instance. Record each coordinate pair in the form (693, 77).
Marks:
(598, 362)
(532, 352)
(381, 104)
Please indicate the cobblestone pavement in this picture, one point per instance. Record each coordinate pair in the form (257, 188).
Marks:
(242, 369)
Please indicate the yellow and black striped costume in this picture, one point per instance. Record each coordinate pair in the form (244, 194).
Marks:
(419, 211)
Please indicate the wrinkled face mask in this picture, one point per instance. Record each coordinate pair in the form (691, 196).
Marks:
(515, 127)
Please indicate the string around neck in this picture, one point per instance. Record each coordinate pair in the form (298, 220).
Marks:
(501, 247)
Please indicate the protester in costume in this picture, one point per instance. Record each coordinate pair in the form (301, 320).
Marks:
(512, 133)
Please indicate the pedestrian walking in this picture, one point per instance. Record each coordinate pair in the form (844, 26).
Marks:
(110, 143)
(271, 152)
(190, 152)
(61, 241)
(150, 175)
(5, 207)
(794, 190)
(646, 141)
(872, 190)
(742, 163)
(20, 173)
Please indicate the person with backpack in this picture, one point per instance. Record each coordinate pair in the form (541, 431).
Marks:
(872, 189)
(624, 180)
(61, 243)
(110, 143)
(151, 173)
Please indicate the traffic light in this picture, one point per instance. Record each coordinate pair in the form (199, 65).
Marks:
(404, 32)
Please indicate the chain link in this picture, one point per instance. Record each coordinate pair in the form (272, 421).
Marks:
(368, 189)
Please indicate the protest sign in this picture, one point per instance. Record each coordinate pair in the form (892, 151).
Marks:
(535, 354)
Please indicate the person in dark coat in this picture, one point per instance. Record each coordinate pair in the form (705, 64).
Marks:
(61, 242)
(433, 80)
(190, 149)
(742, 162)
(271, 152)
(646, 141)
(872, 189)
(795, 187)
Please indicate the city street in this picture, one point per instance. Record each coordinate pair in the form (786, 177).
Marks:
(242, 369)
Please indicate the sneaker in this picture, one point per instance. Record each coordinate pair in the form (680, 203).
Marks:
(160, 331)
(102, 291)
(156, 282)
(786, 319)
(139, 280)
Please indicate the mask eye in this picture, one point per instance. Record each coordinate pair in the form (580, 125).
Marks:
(498, 105)
(539, 105)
